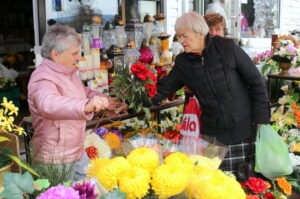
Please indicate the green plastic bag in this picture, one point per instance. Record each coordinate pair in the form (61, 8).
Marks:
(271, 155)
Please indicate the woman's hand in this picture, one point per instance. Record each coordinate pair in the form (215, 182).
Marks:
(96, 104)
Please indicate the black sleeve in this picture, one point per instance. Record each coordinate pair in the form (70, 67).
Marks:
(170, 83)
(256, 85)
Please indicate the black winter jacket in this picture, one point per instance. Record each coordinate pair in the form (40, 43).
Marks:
(228, 86)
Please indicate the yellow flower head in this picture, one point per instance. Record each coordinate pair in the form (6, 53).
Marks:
(168, 180)
(110, 173)
(284, 185)
(96, 165)
(144, 157)
(296, 147)
(135, 182)
(212, 163)
(206, 183)
(113, 140)
(181, 160)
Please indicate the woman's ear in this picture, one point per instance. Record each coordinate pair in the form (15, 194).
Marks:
(54, 55)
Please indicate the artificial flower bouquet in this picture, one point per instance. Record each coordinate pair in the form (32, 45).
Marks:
(285, 51)
(136, 84)
(142, 175)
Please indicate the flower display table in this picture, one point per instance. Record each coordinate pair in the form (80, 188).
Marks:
(27, 125)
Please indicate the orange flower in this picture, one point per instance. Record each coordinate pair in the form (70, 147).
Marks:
(294, 105)
(268, 185)
(284, 185)
(92, 152)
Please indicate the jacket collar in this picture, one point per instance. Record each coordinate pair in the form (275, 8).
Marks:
(59, 68)
(208, 41)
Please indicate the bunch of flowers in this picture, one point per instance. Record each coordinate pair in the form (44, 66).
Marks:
(113, 137)
(263, 57)
(257, 188)
(285, 116)
(136, 85)
(96, 147)
(285, 51)
(140, 175)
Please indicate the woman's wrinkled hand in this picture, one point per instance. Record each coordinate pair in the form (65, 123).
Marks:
(96, 104)
(116, 107)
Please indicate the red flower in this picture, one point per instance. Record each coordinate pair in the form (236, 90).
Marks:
(92, 152)
(252, 197)
(177, 127)
(256, 185)
(172, 135)
(146, 55)
(269, 195)
(139, 70)
(151, 90)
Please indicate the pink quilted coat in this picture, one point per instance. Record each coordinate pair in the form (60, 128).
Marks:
(56, 98)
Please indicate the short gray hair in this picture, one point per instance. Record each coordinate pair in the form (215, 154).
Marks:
(59, 37)
(193, 21)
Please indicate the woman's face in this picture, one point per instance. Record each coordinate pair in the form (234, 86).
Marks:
(217, 29)
(191, 41)
(69, 57)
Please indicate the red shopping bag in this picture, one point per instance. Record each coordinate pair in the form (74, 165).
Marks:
(191, 125)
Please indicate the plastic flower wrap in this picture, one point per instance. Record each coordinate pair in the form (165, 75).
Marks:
(96, 147)
(204, 151)
(148, 140)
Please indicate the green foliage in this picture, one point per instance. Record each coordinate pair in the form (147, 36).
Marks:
(269, 67)
(55, 173)
(116, 194)
(42, 184)
(4, 160)
(294, 179)
(16, 184)
(22, 164)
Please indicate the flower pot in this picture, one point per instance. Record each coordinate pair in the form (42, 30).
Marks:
(284, 66)
(3, 170)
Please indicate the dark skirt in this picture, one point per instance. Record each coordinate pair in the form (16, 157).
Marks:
(236, 155)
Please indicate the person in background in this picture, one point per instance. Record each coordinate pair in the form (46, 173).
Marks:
(216, 24)
(231, 92)
(60, 104)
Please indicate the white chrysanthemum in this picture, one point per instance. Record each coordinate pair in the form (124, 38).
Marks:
(92, 139)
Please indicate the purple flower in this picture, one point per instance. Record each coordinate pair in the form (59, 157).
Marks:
(101, 131)
(61, 192)
(290, 48)
(116, 132)
(86, 190)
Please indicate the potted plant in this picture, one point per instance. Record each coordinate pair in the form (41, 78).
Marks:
(9, 132)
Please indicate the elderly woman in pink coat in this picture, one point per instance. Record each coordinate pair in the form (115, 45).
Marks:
(60, 104)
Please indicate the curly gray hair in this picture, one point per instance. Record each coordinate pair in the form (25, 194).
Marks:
(59, 37)
(193, 21)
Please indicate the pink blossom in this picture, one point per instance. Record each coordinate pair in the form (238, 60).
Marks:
(61, 192)
(290, 48)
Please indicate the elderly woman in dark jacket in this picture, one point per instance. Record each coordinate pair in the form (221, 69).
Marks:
(231, 91)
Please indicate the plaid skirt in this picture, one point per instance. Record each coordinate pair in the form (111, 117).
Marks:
(236, 155)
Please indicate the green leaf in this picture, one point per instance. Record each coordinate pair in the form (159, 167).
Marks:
(67, 184)
(131, 105)
(149, 81)
(139, 108)
(21, 164)
(16, 184)
(42, 183)
(147, 113)
(3, 139)
(116, 194)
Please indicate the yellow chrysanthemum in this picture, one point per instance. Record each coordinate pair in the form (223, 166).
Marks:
(206, 183)
(144, 157)
(212, 163)
(135, 182)
(113, 140)
(181, 160)
(168, 180)
(110, 173)
(96, 165)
